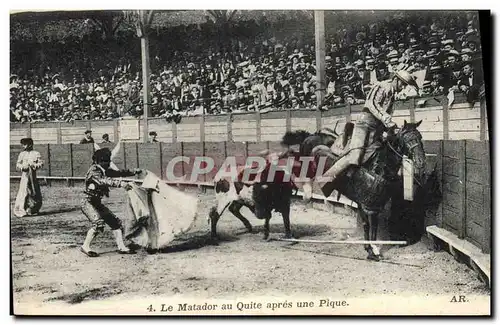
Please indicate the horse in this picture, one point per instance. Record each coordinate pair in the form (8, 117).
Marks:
(372, 183)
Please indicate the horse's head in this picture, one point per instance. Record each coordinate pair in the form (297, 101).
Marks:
(410, 144)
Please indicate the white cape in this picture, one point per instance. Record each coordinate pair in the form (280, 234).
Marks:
(157, 213)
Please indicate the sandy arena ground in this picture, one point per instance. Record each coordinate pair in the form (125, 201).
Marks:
(48, 270)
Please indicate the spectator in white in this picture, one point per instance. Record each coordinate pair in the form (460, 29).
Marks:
(370, 68)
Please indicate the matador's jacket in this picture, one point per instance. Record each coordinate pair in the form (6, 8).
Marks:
(97, 184)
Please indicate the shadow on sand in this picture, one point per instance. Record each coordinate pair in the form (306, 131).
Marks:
(298, 230)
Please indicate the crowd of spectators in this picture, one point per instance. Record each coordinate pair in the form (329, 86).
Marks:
(196, 69)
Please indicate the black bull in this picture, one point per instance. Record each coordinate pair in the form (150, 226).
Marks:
(262, 198)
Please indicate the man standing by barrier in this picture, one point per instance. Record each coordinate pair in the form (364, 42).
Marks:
(88, 138)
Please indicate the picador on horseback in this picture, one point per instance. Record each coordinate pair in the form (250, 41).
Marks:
(365, 167)
(375, 118)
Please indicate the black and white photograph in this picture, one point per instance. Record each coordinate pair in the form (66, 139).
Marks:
(230, 162)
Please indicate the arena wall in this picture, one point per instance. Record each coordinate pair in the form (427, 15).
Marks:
(455, 137)
(463, 168)
(439, 121)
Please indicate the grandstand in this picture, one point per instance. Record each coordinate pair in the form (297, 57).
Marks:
(70, 68)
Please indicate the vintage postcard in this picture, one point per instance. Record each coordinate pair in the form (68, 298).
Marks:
(250, 162)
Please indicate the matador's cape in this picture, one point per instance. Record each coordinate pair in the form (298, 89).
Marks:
(157, 213)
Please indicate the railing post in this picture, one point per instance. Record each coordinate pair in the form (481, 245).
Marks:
(116, 125)
(59, 133)
(202, 128)
(319, 121)
(160, 147)
(440, 177)
(47, 161)
(28, 131)
(446, 119)
(174, 132)
(288, 120)
(71, 173)
(137, 153)
(258, 126)
(412, 110)
(348, 113)
(482, 121)
(229, 127)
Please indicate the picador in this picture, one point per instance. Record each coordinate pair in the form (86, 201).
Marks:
(375, 118)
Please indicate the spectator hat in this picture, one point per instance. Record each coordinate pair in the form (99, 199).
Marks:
(88, 131)
(430, 54)
(464, 63)
(466, 50)
(453, 53)
(392, 54)
(436, 69)
(153, 133)
(470, 31)
(406, 77)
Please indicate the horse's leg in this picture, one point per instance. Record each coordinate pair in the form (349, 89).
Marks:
(366, 228)
(235, 208)
(214, 218)
(373, 251)
(373, 235)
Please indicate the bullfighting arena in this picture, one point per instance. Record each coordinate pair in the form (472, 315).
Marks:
(51, 274)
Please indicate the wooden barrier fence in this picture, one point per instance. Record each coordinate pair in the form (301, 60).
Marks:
(440, 121)
(463, 169)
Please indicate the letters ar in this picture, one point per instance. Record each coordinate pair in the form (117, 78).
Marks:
(460, 299)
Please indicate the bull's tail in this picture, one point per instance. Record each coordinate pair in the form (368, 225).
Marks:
(294, 137)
